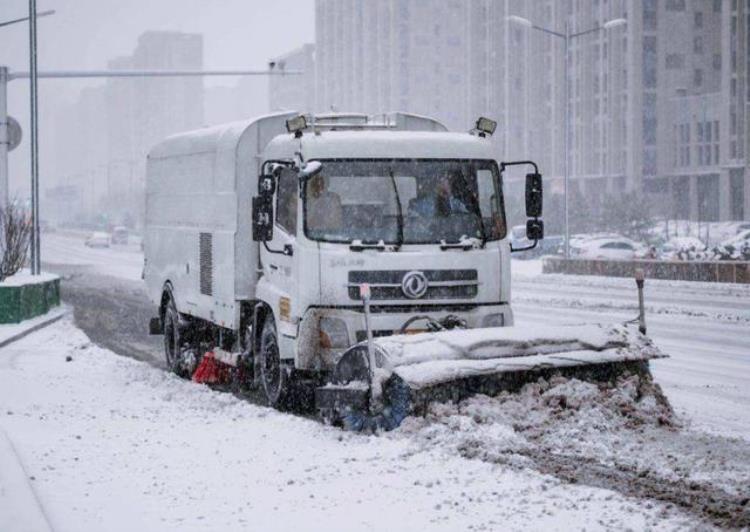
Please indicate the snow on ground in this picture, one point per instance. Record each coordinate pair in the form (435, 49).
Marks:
(110, 443)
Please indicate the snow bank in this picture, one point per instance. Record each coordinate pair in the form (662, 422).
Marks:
(24, 277)
(113, 444)
(628, 426)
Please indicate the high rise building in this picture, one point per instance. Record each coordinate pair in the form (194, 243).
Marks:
(657, 105)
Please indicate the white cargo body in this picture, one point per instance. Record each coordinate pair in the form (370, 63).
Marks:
(201, 183)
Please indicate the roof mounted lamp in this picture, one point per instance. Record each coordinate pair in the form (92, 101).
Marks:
(296, 124)
(485, 126)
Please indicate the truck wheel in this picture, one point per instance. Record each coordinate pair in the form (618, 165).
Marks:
(273, 374)
(173, 340)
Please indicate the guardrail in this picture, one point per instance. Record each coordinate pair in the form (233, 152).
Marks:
(704, 271)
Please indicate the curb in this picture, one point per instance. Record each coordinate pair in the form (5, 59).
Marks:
(20, 508)
(49, 318)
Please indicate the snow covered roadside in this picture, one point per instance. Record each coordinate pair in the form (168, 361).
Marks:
(114, 444)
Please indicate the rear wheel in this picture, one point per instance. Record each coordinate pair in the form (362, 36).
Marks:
(173, 342)
(274, 374)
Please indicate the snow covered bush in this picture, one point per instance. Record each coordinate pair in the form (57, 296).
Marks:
(15, 232)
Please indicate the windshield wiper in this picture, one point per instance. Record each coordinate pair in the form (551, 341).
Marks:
(400, 212)
(476, 208)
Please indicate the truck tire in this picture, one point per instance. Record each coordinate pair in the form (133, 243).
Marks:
(173, 339)
(274, 375)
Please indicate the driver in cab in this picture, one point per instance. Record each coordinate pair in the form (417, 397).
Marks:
(438, 201)
(323, 206)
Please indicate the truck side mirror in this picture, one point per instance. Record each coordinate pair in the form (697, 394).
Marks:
(263, 218)
(533, 195)
(266, 185)
(535, 229)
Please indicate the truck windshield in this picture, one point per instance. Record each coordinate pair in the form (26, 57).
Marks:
(404, 201)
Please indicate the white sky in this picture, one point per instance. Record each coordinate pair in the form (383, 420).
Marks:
(85, 34)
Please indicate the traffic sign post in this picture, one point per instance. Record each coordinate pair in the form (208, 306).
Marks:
(4, 136)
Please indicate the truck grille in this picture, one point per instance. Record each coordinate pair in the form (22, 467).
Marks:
(441, 284)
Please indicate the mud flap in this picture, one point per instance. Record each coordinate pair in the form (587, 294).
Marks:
(155, 326)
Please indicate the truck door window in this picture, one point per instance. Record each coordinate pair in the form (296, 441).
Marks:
(286, 202)
(488, 195)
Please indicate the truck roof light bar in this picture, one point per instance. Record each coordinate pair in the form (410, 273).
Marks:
(486, 126)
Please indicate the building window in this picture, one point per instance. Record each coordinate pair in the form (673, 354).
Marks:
(649, 15)
(649, 162)
(675, 5)
(698, 45)
(698, 77)
(717, 6)
(717, 62)
(698, 19)
(649, 62)
(737, 194)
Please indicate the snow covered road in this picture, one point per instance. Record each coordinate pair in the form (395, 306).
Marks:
(444, 468)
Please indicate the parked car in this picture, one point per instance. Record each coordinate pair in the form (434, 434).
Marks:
(681, 246)
(120, 235)
(735, 248)
(98, 239)
(610, 248)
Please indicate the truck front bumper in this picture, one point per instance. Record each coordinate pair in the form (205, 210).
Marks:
(385, 320)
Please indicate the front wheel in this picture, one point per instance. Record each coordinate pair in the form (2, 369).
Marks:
(274, 375)
(173, 348)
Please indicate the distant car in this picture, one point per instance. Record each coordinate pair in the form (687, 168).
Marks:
(120, 235)
(605, 248)
(98, 240)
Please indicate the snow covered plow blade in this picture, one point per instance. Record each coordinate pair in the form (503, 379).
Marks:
(413, 370)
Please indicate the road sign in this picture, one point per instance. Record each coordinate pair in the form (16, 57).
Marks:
(14, 133)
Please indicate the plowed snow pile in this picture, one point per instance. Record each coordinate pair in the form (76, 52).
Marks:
(596, 434)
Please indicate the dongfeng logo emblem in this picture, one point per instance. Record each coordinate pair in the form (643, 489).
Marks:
(414, 285)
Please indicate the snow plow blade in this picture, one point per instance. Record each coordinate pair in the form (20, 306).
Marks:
(414, 370)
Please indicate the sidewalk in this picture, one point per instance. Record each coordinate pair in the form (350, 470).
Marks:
(15, 331)
(20, 510)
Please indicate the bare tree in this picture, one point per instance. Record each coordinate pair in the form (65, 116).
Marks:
(15, 232)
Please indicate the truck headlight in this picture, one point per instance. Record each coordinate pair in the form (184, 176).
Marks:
(494, 320)
(333, 333)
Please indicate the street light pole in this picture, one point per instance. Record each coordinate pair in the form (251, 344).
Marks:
(36, 265)
(567, 37)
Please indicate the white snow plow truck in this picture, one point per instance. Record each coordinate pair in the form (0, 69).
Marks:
(361, 260)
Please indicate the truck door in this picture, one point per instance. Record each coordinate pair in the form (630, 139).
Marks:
(279, 263)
